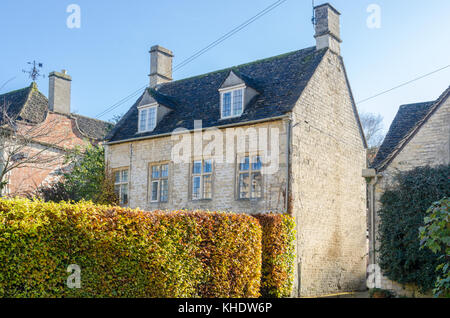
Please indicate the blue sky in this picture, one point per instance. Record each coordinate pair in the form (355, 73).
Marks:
(108, 56)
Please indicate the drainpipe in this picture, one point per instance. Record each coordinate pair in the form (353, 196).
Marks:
(129, 175)
(288, 162)
(372, 180)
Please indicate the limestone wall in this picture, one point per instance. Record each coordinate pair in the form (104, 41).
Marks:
(329, 193)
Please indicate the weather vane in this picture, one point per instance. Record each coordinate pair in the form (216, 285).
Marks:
(34, 73)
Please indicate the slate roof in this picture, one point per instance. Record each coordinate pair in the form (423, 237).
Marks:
(407, 122)
(26, 104)
(92, 128)
(280, 80)
(31, 106)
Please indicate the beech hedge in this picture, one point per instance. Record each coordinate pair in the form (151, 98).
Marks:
(131, 253)
(126, 253)
(278, 255)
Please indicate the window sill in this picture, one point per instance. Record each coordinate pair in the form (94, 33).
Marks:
(201, 200)
(145, 132)
(250, 200)
(232, 117)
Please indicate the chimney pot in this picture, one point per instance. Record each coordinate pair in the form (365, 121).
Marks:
(59, 92)
(160, 65)
(328, 30)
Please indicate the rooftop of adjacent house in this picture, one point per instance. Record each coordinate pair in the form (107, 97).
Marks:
(279, 81)
(31, 106)
(408, 120)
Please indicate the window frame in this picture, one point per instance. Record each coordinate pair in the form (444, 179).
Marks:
(122, 183)
(202, 176)
(147, 108)
(250, 172)
(232, 90)
(159, 180)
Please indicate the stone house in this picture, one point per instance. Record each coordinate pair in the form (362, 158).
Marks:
(50, 129)
(293, 142)
(419, 136)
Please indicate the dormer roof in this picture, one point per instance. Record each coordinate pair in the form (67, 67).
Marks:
(151, 96)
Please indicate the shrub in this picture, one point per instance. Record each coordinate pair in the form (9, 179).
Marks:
(88, 179)
(278, 255)
(435, 235)
(403, 211)
(126, 253)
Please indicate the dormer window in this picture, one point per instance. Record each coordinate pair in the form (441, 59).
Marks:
(147, 118)
(232, 102)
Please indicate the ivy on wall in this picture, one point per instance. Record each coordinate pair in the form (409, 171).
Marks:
(404, 207)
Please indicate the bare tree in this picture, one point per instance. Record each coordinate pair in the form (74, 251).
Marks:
(25, 145)
(373, 129)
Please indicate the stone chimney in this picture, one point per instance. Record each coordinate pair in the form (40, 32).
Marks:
(328, 30)
(160, 65)
(59, 92)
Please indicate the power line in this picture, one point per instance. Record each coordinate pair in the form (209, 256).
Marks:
(199, 53)
(5, 83)
(404, 84)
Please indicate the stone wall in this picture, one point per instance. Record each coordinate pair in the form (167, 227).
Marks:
(138, 156)
(430, 146)
(329, 194)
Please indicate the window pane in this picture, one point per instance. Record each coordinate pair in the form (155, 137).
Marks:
(155, 172)
(124, 194)
(256, 163)
(244, 186)
(117, 177)
(124, 176)
(245, 164)
(196, 188)
(226, 105)
(151, 118)
(143, 120)
(207, 167)
(164, 171)
(197, 169)
(237, 102)
(154, 196)
(164, 190)
(207, 187)
(256, 185)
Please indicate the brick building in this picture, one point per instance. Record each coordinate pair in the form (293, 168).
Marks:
(50, 129)
(419, 136)
(297, 114)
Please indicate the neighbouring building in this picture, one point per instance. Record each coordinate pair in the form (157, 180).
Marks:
(36, 133)
(294, 112)
(419, 136)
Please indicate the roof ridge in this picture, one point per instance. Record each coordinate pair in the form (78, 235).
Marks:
(32, 88)
(91, 118)
(240, 65)
(417, 104)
